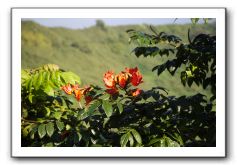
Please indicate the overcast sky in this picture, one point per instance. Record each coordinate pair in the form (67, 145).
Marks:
(78, 23)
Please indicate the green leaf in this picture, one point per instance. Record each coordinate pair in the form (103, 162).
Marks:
(24, 113)
(153, 141)
(70, 77)
(189, 73)
(120, 107)
(163, 143)
(105, 121)
(68, 127)
(57, 79)
(47, 111)
(25, 131)
(105, 96)
(33, 129)
(190, 82)
(60, 125)
(29, 85)
(46, 76)
(50, 129)
(170, 143)
(37, 80)
(30, 97)
(107, 106)
(183, 77)
(93, 106)
(41, 130)
(177, 138)
(57, 115)
(54, 79)
(76, 137)
(48, 89)
(24, 76)
(131, 140)
(49, 145)
(137, 136)
(124, 140)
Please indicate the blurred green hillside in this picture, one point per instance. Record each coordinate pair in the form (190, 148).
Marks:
(92, 51)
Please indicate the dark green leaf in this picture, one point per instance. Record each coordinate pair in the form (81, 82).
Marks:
(77, 138)
(120, 107)
(213, 98)
(146, 51)
(93, 107)
(183, 77)
(160, 68)
(190, 82)
(107, 106)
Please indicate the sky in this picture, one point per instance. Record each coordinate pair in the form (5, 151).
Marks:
(79, 23)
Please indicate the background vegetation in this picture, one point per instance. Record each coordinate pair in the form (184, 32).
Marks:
(81, 51)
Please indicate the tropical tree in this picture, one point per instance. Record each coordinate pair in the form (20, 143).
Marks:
(58, 111)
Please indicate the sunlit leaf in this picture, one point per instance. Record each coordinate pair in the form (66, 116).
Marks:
(42, 130)
(50, 129)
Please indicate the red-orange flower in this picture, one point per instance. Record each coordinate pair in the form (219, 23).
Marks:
(112, 91)
(122, 79)
(88, 99)
(75, 87)
(136, 92)
(67, 89)
(136, 77)
(78, 94)
(131, 70)
(109, 79)
(87, 89)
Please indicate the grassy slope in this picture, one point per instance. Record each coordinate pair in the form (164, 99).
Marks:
(91, 52)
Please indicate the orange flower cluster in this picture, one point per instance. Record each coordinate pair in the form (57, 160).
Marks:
(130, 75)
(78, 92)
(136, 77)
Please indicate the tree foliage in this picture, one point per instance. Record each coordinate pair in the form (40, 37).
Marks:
(57, 111)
